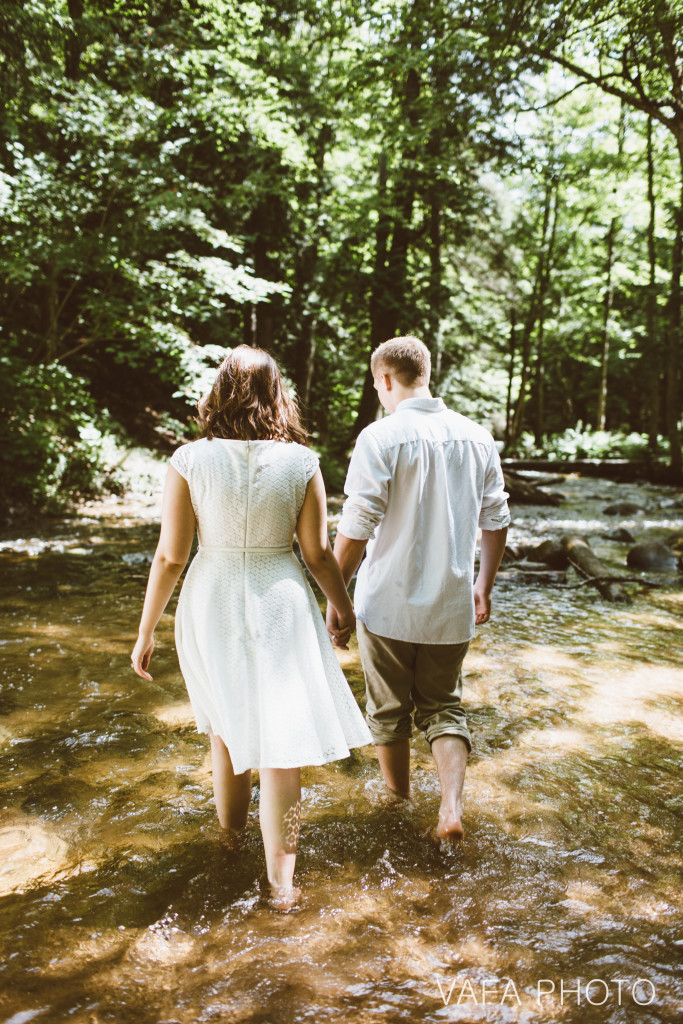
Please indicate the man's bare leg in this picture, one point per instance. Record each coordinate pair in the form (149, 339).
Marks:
(450, 754)
(394, 760)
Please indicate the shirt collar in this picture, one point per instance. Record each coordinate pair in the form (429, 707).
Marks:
(422, 405)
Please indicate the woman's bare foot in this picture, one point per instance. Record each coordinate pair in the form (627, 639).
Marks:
(284, 897)
(233, 839)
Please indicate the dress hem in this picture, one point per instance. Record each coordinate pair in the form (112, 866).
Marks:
(308, 763)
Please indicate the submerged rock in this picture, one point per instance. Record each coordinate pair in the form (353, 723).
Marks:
(30, 850)
(652, 555)
(623, 508)
(621, 535)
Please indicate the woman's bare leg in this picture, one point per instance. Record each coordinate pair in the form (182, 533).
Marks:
(280, 816)
(231, 792)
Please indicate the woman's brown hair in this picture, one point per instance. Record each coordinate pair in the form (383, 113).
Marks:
(249, 402)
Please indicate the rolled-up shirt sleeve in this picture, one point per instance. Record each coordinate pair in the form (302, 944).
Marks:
(494, 513)
(367, 487)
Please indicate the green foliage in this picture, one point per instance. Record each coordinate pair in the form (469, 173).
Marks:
(51, 436)
(583, 443)
(177, 178)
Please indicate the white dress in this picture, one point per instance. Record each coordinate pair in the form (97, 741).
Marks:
(259, 667)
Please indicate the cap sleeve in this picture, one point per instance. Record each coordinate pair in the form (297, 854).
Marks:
(311, 463)
(180, 460)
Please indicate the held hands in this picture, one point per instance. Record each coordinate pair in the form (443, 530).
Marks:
(140, 658)
(340, 626)
(482, 605)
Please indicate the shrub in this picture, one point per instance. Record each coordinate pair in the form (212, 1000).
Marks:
(50, 436)
(583, 443)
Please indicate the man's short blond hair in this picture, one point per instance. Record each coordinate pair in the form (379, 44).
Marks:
(407, 359)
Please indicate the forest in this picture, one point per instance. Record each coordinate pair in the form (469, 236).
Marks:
(503, 179)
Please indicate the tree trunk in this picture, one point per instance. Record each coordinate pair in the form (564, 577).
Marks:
(539, 380)
(511, 373)
(652, 355)
(305, 362)
(608, 300)
(368, 405)
(305, 317)
(673, 345)
(525, 351)
(540, 340)
(434, 310)
(51, 316)
(388, 292)
(535, 302)
(267, 225)
(73, 44)
(437, 297)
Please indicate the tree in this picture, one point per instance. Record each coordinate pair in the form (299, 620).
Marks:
(633, 51)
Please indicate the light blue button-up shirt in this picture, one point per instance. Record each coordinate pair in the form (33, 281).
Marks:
(420, 483)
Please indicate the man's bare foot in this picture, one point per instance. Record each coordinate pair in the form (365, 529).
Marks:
(284, 897)
(379, 794)
(449, 827)
(389, 798)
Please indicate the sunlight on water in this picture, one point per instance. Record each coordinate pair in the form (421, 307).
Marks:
(122, 900)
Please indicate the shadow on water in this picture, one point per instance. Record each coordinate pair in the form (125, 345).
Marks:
(122, 901)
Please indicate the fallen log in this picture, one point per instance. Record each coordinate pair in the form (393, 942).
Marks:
(587, 563)
(653, 584)
(522, 492)
(530, 574)
(620, 470)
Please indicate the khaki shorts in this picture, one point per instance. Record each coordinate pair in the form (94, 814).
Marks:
(402, 677)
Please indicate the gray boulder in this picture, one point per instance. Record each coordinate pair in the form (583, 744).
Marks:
(652, 555)
(622, 508)
(621, 535)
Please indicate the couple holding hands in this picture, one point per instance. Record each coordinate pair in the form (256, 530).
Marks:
(260, 671)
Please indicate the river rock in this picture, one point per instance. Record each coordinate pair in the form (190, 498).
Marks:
(622, 508)
(526, 493)
(30, 850)
(652, 555)
(621, 535)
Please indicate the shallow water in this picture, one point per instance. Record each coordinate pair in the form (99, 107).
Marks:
(121, 901)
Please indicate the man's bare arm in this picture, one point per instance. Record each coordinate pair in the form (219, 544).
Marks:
(492, 551)
(349, 554)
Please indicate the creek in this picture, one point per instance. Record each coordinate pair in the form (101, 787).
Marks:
(121, 901)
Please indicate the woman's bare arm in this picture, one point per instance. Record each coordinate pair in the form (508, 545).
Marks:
(175, 541)
(311, 532)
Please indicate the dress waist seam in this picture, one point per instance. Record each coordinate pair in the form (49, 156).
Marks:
(281, 549)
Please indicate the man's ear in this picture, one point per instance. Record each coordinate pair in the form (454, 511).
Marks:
(387, 381)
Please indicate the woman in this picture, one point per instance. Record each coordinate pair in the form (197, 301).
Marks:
(261, 674)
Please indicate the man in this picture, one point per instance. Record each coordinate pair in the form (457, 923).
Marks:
(420, 483)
